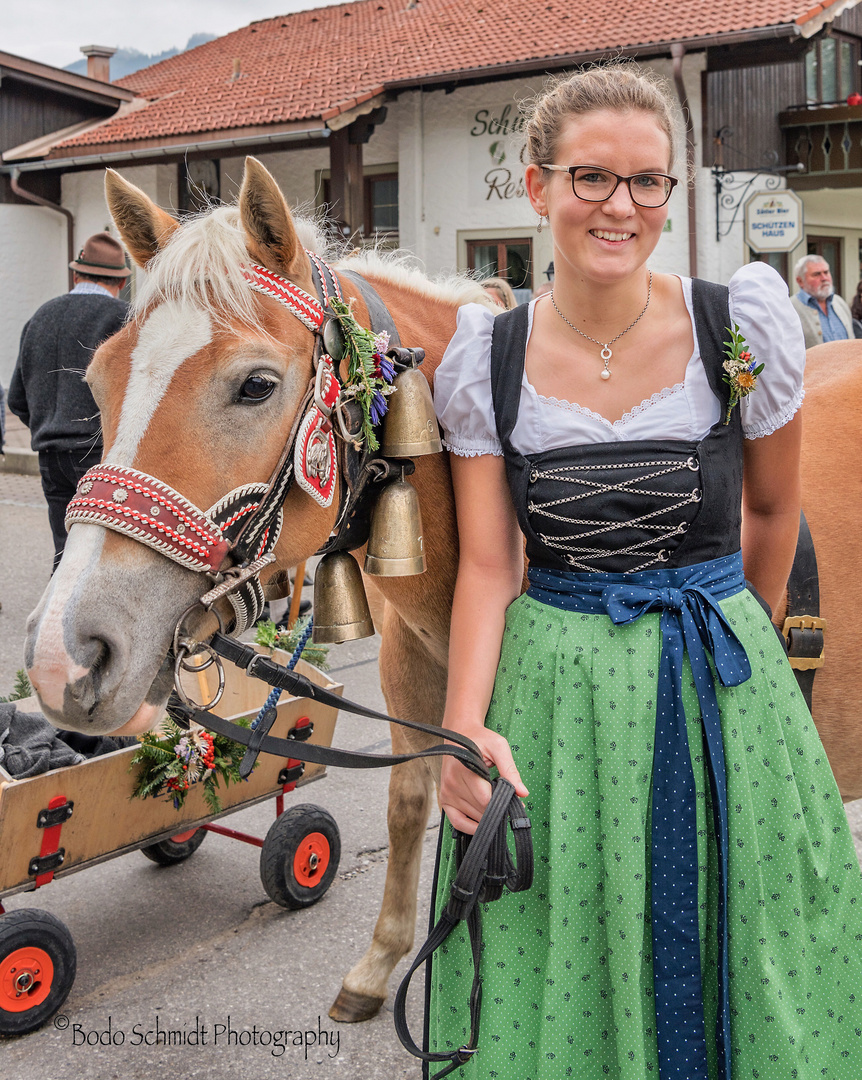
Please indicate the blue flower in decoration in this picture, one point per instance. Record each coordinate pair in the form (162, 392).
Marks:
(378, 407)
(385, 367)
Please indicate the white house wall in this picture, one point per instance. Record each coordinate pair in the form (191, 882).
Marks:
(295, 172)
(32, 270)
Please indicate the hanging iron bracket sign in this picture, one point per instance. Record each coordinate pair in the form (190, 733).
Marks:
(733, 186)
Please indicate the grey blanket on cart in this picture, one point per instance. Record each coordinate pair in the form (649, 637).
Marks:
(30, 745)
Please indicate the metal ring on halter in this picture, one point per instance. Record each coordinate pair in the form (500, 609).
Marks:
(184, 650)
(345, 434)
(180, 664)
(184, 656)
(182, 646)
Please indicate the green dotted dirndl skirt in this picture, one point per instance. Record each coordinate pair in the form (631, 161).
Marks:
(567, 967)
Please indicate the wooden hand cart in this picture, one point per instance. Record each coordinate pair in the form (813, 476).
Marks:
(68, 819)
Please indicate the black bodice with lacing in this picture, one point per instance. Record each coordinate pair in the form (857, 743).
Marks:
(629, 506)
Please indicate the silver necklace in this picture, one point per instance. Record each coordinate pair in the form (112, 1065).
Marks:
(606, 353)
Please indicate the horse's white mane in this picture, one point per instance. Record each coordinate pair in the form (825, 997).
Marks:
(201, 266)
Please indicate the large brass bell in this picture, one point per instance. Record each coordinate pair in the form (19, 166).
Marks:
(410, 426)
(340, 606)
(395, 547)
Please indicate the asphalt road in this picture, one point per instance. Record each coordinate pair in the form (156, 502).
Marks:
(200, 947)
(198, 950)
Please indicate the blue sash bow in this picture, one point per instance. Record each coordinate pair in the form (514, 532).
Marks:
(691, 621)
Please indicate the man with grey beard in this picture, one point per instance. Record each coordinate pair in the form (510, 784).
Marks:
(823, 314)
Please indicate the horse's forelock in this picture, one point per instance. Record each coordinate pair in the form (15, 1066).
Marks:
(201, 266)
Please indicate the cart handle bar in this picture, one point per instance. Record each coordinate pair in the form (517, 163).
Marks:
(268, 671)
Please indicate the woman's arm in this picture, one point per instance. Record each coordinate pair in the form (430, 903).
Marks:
(490, 573)
(771, 500)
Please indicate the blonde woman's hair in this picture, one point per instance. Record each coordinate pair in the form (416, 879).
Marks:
(503, 290)
(620, 86)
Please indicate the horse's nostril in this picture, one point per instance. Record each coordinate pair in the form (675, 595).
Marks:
(85, 692)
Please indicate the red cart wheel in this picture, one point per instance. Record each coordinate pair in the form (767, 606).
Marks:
(176, 849)
(300, 856)
(37, 969)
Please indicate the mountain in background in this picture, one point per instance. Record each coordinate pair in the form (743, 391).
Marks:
(125, 61)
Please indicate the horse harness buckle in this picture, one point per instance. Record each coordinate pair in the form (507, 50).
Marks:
(805, 637)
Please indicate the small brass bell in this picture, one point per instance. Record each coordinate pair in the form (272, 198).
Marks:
(395, 547)
(410, 426)
(340, 606)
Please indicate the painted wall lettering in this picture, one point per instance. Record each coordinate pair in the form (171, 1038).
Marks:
(501, 184)
(507, 123)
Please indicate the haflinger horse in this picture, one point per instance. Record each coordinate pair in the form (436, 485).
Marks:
(201, 390)
(179, 391)
(832, 503)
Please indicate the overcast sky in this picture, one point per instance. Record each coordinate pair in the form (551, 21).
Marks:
(52, 31)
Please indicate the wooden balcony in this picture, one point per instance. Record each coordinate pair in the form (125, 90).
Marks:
(827, 141)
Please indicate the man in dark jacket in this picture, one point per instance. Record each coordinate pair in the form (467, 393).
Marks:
(48, 391)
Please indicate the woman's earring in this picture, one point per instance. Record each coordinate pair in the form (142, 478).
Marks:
(541, 224)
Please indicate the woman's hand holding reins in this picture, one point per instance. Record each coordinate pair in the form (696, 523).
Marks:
(463, 794)
(490, 576)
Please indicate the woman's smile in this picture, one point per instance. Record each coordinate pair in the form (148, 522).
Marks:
(614, 237)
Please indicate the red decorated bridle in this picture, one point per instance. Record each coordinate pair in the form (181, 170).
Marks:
(233, 540)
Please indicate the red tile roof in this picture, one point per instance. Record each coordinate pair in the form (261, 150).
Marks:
(316, 64)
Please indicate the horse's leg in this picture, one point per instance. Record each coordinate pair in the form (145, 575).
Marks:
(414, 686)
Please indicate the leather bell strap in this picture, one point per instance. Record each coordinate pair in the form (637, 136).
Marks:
(691, 622)
(155, 514)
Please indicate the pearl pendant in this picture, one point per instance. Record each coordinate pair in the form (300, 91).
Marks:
(606, 374)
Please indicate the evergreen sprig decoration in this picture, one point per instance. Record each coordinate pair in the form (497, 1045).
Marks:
(173, 760)
(369, 370)
(740, 370)
(21, 688)
(268, 636)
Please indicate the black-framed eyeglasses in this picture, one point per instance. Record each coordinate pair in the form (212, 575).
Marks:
(594, 184)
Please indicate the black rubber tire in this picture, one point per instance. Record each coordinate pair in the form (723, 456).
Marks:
(283, 841)
(170, 852)
(31, 928)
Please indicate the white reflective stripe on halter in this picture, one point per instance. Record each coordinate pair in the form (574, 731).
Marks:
(305, 307)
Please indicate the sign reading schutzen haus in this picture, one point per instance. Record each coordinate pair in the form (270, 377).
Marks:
(773, 221)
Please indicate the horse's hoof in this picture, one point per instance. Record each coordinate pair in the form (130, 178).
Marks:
(350, 1007)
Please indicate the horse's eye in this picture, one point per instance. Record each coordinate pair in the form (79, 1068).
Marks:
(256, 388)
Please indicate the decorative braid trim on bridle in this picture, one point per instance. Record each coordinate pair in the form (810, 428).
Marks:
(305, 307)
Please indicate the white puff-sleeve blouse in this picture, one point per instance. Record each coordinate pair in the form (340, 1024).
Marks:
(759, 303)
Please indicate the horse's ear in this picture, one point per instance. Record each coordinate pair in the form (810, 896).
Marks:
(270, 234)
(144, 227)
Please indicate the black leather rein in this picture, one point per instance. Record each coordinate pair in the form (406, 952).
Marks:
(261, 667)
(485, 866)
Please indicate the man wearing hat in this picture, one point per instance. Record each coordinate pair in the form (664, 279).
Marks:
(48, 391)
